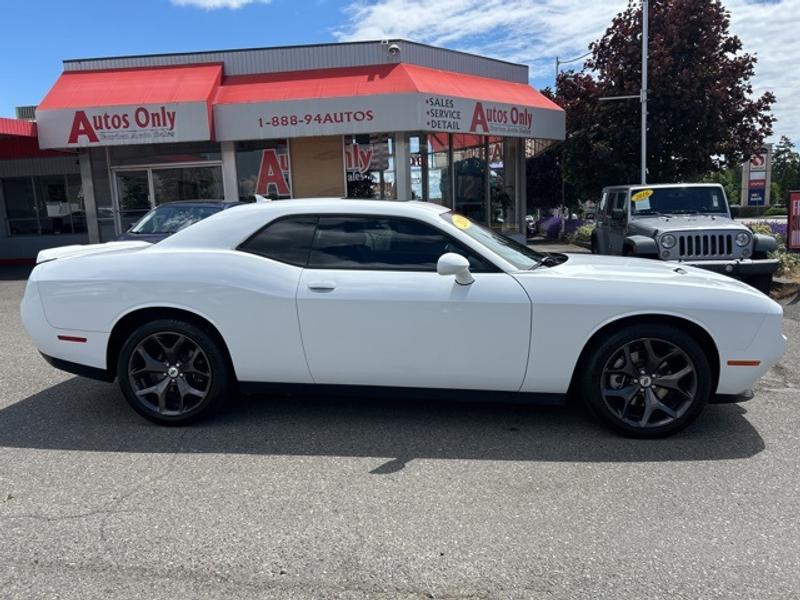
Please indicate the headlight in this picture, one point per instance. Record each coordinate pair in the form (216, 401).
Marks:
(742, 238)
(668, 241)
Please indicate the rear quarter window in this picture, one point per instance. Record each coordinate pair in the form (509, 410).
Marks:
(286, 240)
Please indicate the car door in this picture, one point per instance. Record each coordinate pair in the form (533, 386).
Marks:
(602, 220)
(373, 310)
(617, 221)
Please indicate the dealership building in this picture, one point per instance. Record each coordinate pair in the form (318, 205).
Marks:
(392, 119)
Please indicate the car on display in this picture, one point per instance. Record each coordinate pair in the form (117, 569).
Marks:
(170, 217)
(381, 296)
(686, 223)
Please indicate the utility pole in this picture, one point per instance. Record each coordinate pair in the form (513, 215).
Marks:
(560, 62)
(643, 90)
(645, 33)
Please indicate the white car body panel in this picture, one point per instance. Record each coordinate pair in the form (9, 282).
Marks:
(511, 331)
(399, 328)
(87, 249)
(573, 301)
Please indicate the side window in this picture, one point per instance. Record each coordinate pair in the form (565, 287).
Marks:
(619, 200)
(285, 240)
(381, 243)
(601, 210)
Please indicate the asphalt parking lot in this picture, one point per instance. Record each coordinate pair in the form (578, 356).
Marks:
(308, 497)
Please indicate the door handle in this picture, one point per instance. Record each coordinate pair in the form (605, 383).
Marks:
(321, 286)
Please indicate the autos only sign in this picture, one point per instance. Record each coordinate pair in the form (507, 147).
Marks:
(443, 113)
(383, 112)
(120, 125)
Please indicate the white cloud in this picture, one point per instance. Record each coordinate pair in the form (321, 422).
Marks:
(536, 31)
(215, 4)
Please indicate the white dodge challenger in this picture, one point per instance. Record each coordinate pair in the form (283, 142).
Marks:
(382, 296)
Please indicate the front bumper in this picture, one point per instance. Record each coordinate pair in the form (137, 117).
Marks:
(738, 268)
(731, 398)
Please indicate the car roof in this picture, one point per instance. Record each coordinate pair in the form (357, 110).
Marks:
(228, 228)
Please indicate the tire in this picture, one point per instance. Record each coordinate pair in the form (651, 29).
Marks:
(763, 283)
(173, 372)
(633, 403)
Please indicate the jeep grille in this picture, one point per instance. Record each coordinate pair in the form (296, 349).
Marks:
(705, 245)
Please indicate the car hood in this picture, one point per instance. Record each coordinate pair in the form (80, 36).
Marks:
(687, 223)
(642, 270)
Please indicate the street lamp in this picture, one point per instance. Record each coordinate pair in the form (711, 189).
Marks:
(560, 62)
(642, 95)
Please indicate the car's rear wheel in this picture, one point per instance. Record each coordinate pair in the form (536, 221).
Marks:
(647, 381)
(172, 372)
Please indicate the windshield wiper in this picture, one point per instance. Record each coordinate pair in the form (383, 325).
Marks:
(548, 260)
(653, 212)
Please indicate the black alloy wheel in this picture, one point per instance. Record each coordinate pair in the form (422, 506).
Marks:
(648, 380)
(172, 372)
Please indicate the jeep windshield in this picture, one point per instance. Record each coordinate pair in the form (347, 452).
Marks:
(678, 200)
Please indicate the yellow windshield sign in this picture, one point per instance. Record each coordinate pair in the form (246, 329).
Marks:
(461, 222)
(642, 195)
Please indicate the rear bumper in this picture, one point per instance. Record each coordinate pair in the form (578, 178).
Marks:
(739, 268)
(61, 344)
(77, 369)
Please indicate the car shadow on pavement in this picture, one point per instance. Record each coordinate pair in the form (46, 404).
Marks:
(84, 415)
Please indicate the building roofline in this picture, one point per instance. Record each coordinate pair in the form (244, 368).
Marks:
(287, 47)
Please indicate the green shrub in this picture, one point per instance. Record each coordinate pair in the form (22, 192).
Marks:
(582, 235)
(775, 211)
(789, 262)
(762, 228)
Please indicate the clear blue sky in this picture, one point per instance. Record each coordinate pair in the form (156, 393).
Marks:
(37, 36)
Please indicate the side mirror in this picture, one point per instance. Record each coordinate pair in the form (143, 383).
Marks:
(455, 264)
(618, 214)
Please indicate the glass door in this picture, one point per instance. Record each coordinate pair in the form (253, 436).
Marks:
(187, 183)
(133, 195)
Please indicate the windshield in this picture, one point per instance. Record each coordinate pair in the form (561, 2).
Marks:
(678, 200)
(512, 251)
(171, 218)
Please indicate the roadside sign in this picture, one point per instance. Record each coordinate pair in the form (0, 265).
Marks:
(793, 235)
(756, 176)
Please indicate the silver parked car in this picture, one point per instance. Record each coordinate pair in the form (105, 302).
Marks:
(687, 223)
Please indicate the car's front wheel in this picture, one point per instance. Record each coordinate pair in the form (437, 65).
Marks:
(172, 372)
(647, 381)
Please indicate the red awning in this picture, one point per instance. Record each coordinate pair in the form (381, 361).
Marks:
(380, 98)
(129, 106)
(18, 140)
(17, 128)
(119, 87)
(374, 80)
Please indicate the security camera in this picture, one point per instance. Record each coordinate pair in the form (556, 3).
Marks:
(394, 49)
